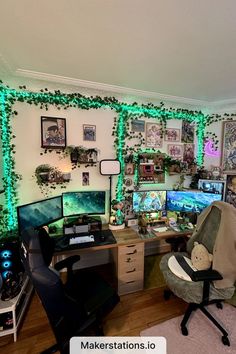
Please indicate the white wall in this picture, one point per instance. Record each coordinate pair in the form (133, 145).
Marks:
(26, 127)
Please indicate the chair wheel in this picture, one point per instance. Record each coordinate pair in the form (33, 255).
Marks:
(184, 331)
(225, 340)
(167, 294)
(219, 305)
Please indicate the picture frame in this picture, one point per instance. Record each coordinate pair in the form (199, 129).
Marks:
(187, 135)
(154, 135)
(138, 125)
(175, 151)
(188, 154)
(89, 132)
(53, 132)
(228, 159)
(230, 192)
(172, 135)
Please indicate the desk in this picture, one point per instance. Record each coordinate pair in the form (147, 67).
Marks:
(127, 255)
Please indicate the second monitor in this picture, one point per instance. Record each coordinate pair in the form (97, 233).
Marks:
(80, 203)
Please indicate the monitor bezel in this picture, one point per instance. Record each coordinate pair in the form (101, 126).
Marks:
(36, 202)
(144, 191)
(92, 191)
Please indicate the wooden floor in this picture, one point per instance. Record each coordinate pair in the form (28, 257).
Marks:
(134, 313)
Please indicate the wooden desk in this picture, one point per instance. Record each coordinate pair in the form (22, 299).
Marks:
(127, 255)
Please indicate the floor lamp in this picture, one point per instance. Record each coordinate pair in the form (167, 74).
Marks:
(109, 168)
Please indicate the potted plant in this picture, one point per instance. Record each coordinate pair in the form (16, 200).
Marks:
(42, 173)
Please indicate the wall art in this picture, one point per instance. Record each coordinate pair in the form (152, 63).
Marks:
(53, 132)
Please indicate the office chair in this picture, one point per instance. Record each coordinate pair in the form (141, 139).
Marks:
(75, 308)
(215, 229)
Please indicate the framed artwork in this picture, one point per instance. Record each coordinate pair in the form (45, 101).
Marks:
(188, 155)
(229, 147)
(187, 132)
(129, 168)
(53, 132)
(85, 178)
(230, 193)
(175, 151)
(153, 135)
(172, 134)
(89, 132)
(138, 125)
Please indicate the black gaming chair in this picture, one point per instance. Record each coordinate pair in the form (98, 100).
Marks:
(75, 308)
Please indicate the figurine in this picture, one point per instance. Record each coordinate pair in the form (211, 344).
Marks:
(142, 224)
(119, 215)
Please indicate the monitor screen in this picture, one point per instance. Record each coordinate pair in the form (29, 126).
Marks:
(149, 201)
(211, 186)
(39, 213)
(187, 201)
(90, 202)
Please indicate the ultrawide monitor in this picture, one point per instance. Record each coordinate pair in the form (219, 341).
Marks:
(149, 201)
(79, 203)
(190, 202)
(39, 213)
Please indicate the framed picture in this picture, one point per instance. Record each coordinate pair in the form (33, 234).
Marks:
(188, 155)
(53, 132)
(187, 132)
(89, 132)
(229, 147)
(85, 178)
(129, 168)
(230, 193)
(175, 151)
(138, 125)
(154, 136)
(172, 134)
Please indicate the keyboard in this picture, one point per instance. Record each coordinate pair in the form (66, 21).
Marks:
(160, 229)
(81, 239)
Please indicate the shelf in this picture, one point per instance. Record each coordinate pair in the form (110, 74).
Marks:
(21, 300)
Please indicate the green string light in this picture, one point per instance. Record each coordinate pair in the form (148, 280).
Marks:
(58, 99)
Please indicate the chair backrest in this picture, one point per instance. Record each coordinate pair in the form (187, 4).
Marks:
(63, 314)
(207, 233)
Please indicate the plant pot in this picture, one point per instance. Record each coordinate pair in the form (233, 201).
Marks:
(44, 176)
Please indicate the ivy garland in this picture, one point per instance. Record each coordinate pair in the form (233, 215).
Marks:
(126, 112)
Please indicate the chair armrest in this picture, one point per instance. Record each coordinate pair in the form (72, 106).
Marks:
(67, 263)
(208, 275)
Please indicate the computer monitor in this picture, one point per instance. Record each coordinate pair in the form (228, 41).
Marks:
(212, 186)
(39, 213)
(149, 201)
(84, 202)
(190, 201)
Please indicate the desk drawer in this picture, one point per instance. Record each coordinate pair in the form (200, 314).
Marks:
(132, 249)
(135, 265)
(130, 286)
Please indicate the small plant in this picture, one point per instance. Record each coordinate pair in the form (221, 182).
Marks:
(48, 178)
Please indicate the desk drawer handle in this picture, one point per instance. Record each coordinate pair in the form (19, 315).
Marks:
(135, 251)
(131, 271)
(129, 282)
(130, 245)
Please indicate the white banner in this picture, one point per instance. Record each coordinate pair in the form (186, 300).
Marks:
(118, 345)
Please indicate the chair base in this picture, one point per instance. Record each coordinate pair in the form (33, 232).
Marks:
(193, 307)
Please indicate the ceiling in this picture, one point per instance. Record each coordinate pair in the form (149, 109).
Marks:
(178, 49)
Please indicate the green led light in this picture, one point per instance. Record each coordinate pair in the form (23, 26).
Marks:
(125, 111)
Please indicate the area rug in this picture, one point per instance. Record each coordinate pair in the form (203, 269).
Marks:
(153, 277)
(203, 338)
